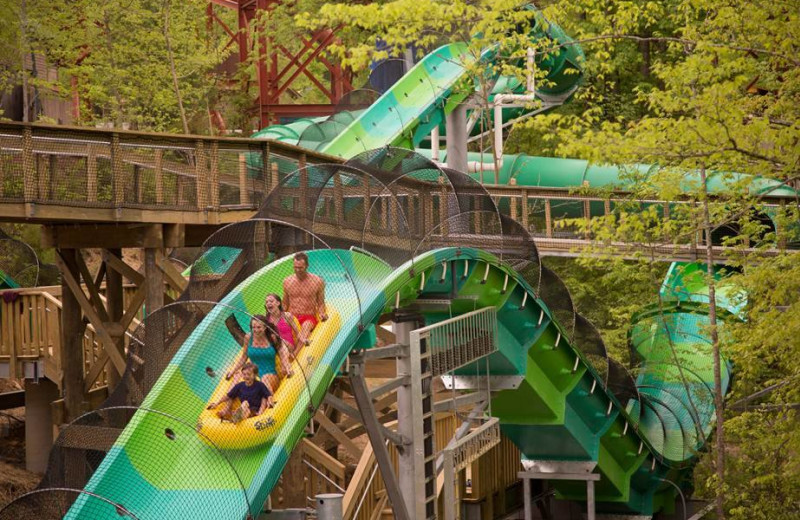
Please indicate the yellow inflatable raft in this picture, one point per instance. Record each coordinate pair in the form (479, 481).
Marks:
(291, 393)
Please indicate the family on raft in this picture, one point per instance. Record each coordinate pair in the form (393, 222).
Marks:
(278, 335)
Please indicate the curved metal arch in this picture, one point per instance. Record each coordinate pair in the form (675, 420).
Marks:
(312, 234)
(549, 277)
(430, 233)
(613, 367)
(6, 237)
(692, 412)
(120, 509)
(191, 427)
(330, 170)
(603, 354)
(660, 454)
(690, 371)
(684, 436)
(175, 304)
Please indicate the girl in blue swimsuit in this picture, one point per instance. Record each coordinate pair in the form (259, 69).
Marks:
(260, 348)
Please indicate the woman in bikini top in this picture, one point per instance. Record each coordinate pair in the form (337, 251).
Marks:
(260, 348)
(283, 321)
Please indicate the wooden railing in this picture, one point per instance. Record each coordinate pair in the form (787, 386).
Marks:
(30, 330)
(92, 170)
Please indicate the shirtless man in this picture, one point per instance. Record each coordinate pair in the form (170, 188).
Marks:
(304, 297)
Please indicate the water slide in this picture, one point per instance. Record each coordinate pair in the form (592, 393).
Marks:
(161, 468)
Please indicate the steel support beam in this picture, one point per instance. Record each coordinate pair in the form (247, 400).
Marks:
(375, 434)
(456, 125)
(411, 462)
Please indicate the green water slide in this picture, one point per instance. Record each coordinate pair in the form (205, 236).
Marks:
(160, 468)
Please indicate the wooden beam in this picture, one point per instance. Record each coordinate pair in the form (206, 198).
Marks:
(154, 281)
(337, 434)
(174, 278)
(94, 294)
(116, 263)
(85, 305)
(72, 330)
(106, 236)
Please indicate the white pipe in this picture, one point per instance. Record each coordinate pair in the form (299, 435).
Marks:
(529, 96)
(435, 144)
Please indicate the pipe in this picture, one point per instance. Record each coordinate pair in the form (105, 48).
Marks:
(435, 144)
(530, 95)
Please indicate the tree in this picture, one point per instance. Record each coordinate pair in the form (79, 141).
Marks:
(723, 99)
(149, 64)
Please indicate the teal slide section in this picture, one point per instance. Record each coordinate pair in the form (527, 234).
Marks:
(6, 282)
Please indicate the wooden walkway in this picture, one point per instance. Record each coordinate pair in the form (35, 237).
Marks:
(188, 186)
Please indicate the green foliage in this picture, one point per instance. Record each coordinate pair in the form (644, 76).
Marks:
(119, 59)
(609, 293)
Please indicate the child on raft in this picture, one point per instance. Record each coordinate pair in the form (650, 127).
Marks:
(253, 394)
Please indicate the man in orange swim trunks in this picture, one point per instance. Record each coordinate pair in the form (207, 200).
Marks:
(304, 297)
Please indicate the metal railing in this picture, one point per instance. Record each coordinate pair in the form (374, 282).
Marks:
(458, 341)
(461, 454)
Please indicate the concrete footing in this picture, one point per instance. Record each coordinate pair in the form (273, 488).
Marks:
(39, 431)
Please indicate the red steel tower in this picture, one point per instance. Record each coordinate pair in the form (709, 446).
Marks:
(277, 67)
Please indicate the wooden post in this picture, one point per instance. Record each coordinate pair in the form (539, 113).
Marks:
(293, 482)
(38, 423)
(154, 281)
(154, 300)
(304, 202)
(43, 170)
(548, 218)
(244, 193)
(274, 177)
(117, 171)
(137, 182)
(587, 214)
(72, 329)
(338, 199)
(91, 173)
(525, 209)
(213, 177)
(159, 175)
(116, 309)
(443, 215)
(513, 203)
(200, 179)
(29, 165)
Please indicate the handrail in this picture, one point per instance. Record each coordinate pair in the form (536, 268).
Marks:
(30, 330)
(457, 341)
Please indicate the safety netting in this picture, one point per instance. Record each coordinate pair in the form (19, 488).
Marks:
(110, 169)
(19, 264)
(221, 385)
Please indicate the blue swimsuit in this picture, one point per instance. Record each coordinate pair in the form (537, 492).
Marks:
(262, 357)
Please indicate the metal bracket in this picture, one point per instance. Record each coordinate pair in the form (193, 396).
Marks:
(477, 382)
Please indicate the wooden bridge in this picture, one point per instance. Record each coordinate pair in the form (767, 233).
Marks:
(106, 188)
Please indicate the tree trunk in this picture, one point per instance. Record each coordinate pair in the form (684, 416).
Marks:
(712, 318)
(171, 58)
(23, 44)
